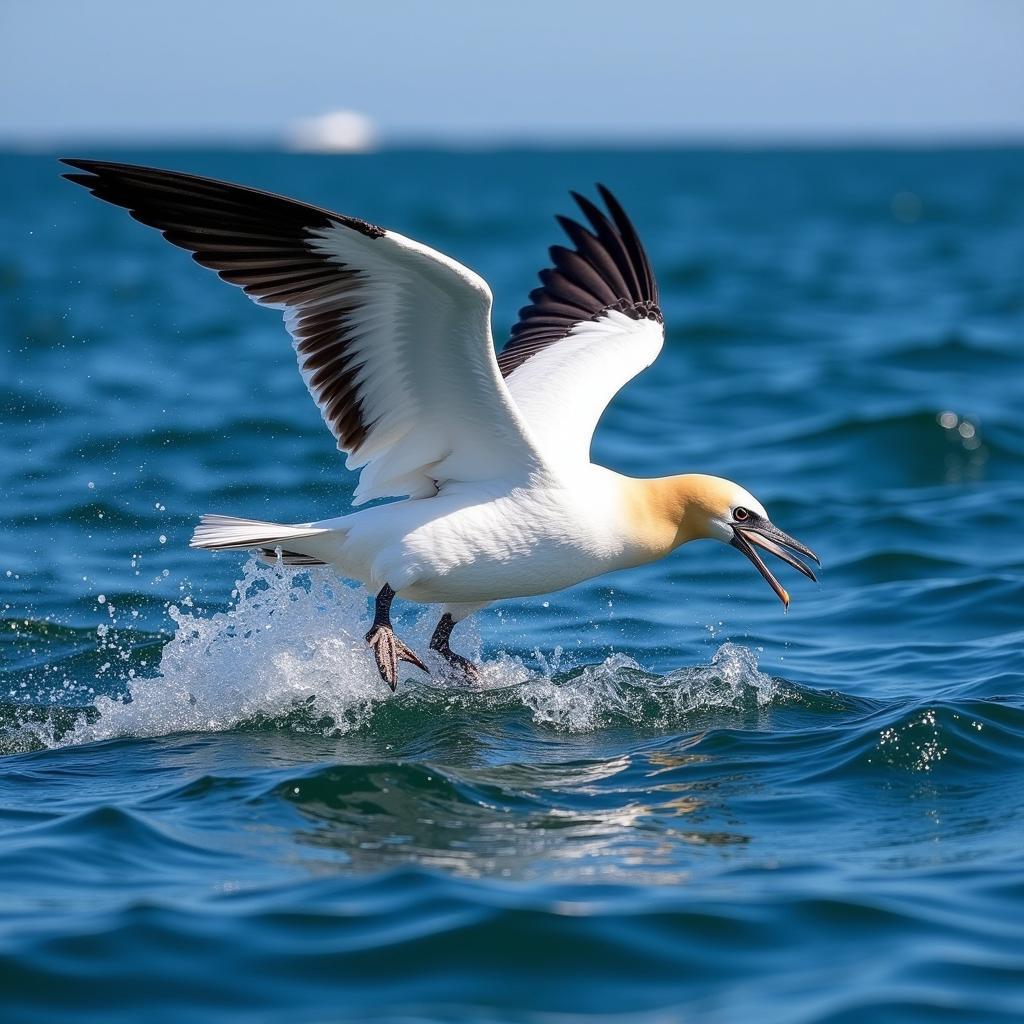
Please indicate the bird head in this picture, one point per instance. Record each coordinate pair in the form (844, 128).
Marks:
(711, 507)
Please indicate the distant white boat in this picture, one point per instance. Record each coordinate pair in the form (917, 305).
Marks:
(340, 131)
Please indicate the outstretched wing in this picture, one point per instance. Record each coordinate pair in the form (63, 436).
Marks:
(592, 326)
(393, 339)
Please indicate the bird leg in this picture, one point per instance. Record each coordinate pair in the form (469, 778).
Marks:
(439, 643)
(387, 648)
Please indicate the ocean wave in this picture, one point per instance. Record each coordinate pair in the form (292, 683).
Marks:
(956, 350)
(401, 931)
(952, 739)
(893, 432)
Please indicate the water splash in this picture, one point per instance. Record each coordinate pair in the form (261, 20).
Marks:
(289, 641)
(290, 652)
(620, 691)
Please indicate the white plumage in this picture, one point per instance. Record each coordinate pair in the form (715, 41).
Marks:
(563, 390)
(430, 383)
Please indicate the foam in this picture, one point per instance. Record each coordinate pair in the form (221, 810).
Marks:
(290, 649)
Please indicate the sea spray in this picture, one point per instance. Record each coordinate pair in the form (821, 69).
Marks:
(290, 652)
(289, 640)
(619, 691)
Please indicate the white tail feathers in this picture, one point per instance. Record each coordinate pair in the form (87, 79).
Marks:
(226, 533)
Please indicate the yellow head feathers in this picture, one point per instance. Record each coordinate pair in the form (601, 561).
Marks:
(671, 510)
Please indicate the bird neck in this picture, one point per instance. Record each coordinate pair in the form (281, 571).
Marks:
(665, 512)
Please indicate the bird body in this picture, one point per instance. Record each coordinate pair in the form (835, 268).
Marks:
(477, 543)
(491, 453)
(474, 542)
(483, 541)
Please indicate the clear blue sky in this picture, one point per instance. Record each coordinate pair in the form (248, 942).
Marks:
(541, 69)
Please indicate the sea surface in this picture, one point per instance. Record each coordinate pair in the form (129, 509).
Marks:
(668, 800)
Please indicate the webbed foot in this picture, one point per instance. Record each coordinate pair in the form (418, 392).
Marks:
(439, 643)
(389, 650)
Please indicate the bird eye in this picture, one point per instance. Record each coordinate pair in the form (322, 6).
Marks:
(740, 514)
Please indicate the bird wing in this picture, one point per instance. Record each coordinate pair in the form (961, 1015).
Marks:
(590, 328)
(393, 339)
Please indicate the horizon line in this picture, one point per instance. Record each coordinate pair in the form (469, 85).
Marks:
(51, 143)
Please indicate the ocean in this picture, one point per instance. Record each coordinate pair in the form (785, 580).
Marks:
(668, 800)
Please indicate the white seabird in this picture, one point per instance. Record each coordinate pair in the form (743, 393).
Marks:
(491, 453)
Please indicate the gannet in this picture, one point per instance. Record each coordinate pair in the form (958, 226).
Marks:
(491, 453)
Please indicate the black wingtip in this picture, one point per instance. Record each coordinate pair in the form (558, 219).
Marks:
(631, 240)
(89, 164)
(78, 162)
(608, 270)
(603, 191)
(568, 225)
(614, 207)
(88, 180)
(582, 202)
(594, 214)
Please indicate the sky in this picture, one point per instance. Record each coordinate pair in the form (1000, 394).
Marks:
(481, 71)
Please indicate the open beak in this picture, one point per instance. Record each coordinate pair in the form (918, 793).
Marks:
(761, 533)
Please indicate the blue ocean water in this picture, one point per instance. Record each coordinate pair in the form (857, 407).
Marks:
(669, 801)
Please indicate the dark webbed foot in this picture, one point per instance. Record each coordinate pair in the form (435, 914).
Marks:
(464, 665)
(439, 643)
(387, 649)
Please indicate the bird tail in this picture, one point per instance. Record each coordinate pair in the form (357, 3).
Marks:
(226, 533)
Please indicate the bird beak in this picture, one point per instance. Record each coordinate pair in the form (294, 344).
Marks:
(764, 534)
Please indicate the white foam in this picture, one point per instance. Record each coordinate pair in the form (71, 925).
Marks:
(619, 690)
(295, 641)
(289, 640)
